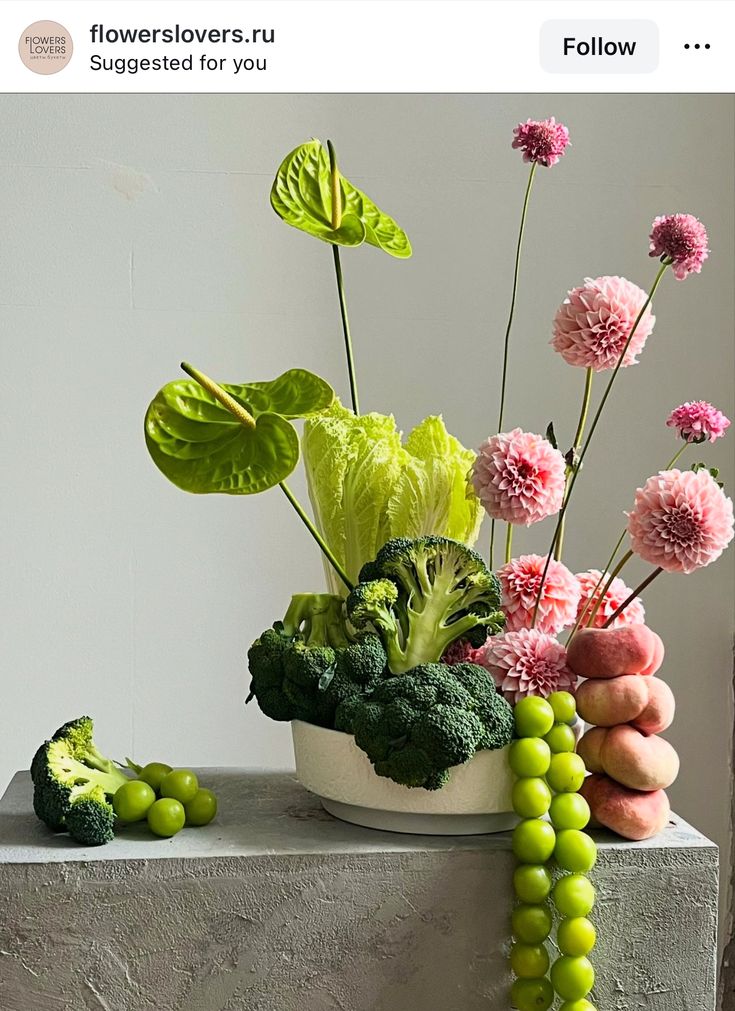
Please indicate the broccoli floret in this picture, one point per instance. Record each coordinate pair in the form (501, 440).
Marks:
(68, 769)
(415, 727)
(423, 594)
(90, 818)
(304, 666)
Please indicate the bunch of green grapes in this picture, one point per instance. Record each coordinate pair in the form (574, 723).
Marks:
(554, 817)
(167, 798)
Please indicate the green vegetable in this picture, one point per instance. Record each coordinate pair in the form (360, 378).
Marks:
(302, 196)
(423, 594)
(69, 771)
(132, 800)
(166, 817)
(201, 447)
(201, 809)
(366, 486)
(180, 784)
(415, 727)
(304, 666)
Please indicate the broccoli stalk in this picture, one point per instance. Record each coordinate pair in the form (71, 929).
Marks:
(423, 594)
(72, 781)
(305, 665)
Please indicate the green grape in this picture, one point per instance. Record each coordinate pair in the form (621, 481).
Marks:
(577, 1005)
(531, 924)
(532, 994)
(561, 738)
(181, 785)
(166, 817)
(566, 773)
(573, 895)
(532, 882)
(564, 706)
(534, 717)
(153, 773)
(533, 841)
(576, 936)
(132, 800)
(572, 978)
(530, 756)
(531, 797)
(569, 810)
(529, 961)
(575, 851)
(201, 808)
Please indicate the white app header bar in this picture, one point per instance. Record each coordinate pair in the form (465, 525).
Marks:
(365, 45)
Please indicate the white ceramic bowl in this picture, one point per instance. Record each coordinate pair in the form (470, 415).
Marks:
(476, 799)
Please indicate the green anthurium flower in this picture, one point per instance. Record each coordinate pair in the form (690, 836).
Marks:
(235, 439)
(310, 193)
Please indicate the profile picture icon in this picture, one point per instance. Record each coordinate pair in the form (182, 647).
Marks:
(45, 47)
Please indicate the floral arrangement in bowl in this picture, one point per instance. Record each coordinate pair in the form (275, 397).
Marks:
(419, 653)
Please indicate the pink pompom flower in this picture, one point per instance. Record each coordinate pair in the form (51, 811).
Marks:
(594, 322)
(527, 662)
(543, 141)
(698, 421)
(519, 582)
(680, 239)
(519, 477)
(681, 520)
(617, 594)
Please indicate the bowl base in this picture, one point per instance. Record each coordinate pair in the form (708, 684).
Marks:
(420, 824)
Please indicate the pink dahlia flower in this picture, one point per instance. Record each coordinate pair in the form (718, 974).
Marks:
(681, 239)
(681, 520)
(543, 141)
(519, 581)
(618, 593)
(527, 662)
(592, 325)
(698, 421)
(519, 477)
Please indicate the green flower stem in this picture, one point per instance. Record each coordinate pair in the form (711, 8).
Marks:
(326, 550)
(336, 223)
(590, 434)
(516, 272)
(583, 616)
(613, 575)
(589, 375)
(508, 541)
(628, 600)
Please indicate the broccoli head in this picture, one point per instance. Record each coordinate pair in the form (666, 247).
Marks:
(421, 595)
(68, 772)
(414, 728)
(305, 665)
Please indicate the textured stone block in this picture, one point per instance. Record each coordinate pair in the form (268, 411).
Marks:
(276, 906)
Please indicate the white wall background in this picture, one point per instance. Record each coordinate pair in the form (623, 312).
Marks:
(136, 231)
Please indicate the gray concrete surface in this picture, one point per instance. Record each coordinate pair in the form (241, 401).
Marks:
(276, 906)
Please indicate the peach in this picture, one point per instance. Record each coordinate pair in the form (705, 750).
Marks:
(659, 712)
(607, 702)
(589, 748)
(630, 813)
(637, 761)
(610, 652)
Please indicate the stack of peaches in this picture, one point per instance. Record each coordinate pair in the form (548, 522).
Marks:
(628, 706)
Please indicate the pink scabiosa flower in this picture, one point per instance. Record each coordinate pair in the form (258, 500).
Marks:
(459, 651)
(594, 322)
(698, 421)
(527, 662)
(617, 593)
(682, 240)
(519, 477)
(519, 582)
(681, 520)
(543, 141)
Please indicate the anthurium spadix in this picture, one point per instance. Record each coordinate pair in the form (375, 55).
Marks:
(310, 193)
(236, 439)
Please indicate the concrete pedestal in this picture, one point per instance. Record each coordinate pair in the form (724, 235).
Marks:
(277, 906)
